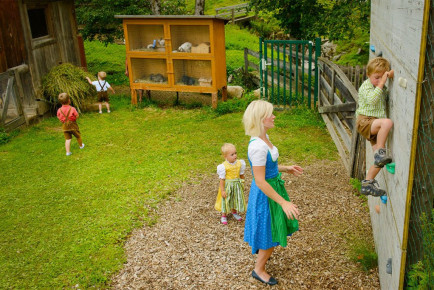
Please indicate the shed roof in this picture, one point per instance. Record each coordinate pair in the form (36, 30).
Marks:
(171, 17)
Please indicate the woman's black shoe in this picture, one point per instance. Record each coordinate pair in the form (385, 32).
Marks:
(272, 281)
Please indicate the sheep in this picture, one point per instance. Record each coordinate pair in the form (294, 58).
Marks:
(235, 92)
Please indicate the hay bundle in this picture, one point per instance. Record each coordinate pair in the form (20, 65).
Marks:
(69, 79)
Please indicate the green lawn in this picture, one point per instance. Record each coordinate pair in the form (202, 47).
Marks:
(65, 219)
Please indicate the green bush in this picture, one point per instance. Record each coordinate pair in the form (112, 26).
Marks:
(364, 254)
(357, 184)
(421, 274)
(234, 105)
(4, 137)
(266, 25)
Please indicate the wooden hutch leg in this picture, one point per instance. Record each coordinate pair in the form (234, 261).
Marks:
(133, 97)
(224, 94)
(148, 93)
(214, 100)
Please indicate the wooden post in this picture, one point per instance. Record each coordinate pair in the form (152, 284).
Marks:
(214, 100)
(332, 90)
(224, 94)
(246, 61)
(357, 80)
(133, 97)
(233, 16)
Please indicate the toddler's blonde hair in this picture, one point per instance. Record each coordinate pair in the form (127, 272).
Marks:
(63, 98)
(254, 116)
(377, 65)
(226, 147)
(102, 75)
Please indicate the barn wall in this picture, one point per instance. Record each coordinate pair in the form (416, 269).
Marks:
(12, 49)
(59, 46)
(396, 32)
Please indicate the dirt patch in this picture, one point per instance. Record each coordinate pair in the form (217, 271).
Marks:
(189, 249)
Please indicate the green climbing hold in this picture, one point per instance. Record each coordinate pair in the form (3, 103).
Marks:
(391, 167)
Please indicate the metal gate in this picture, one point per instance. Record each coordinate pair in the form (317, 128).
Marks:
(288, 72)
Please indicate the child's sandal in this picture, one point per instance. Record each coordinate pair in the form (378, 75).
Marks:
(224, 220)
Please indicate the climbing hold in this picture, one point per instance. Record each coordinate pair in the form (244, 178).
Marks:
(402, 82)
(383, 199)
(377, 208)
(372, 48)
(391, 74)
(379, 54)
(389, 266)
(391, 167)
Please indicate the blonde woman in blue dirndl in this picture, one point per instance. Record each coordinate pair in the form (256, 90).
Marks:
(271, 217)
(230, 196)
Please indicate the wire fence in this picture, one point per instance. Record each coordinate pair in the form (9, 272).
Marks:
(420, 247)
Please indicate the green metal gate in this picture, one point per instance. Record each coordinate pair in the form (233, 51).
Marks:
(285, 70)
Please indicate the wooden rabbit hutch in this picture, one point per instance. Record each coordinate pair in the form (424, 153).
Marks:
(181, 53)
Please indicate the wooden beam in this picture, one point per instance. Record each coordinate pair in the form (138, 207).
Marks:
(335, 138)
(346, 138)
(345, 107)
(344, 85)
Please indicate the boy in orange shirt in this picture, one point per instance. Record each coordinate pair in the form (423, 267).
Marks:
(68, 116)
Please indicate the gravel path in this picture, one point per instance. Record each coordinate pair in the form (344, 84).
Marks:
(189, 249)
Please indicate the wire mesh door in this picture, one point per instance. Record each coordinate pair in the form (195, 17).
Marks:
(420, 245)
(11, 114)
(288, 71)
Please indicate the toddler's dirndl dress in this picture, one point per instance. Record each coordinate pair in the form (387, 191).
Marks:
(234, 187)
(266, 224)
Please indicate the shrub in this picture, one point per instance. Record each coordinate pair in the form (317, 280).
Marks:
(421, 274)
(67, 78)
(234, 105)
(4, 137)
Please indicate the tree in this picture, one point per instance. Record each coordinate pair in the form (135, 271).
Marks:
(306, 19)
(199, 7)
(96, 17)
(155, 7)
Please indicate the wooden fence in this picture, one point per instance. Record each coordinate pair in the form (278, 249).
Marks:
(337, 103)
(234, 13)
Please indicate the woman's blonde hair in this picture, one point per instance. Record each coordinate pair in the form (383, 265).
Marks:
(226, 147)
(254, 116)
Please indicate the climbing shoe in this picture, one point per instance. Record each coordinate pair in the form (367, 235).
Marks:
(371, 187)
(381, 158)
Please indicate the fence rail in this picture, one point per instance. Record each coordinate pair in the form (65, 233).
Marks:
(234, 13)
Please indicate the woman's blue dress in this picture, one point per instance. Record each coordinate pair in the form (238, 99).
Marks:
(257, 229)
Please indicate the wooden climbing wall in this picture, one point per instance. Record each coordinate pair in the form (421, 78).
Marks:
(396, 33)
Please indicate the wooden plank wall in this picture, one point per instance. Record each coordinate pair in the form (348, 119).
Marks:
(396, 28)
(12, 49)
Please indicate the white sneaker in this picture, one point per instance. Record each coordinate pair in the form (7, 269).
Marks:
(100, 112)
(237, 216)
(82, 146)
(108, 111)
(68, 153)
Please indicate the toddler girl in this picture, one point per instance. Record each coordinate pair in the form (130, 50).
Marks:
(230, 197)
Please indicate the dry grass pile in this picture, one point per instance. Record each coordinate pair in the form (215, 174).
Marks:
(69, 79)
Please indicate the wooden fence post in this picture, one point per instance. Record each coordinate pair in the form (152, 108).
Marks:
(246, 61)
